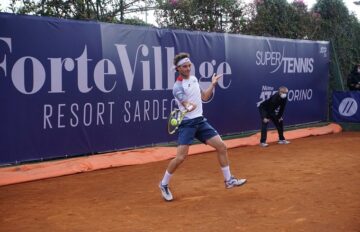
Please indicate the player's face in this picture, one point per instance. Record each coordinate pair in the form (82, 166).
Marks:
(185, 69)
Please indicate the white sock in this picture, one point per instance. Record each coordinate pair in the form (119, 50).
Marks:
(166, 178)
(226, 172)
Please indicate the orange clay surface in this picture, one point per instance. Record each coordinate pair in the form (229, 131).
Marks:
(312, 184)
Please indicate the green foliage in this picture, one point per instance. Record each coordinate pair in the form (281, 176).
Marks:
(268, 18)
(211, 15)
(113, 11)
(278, 18)
(342, 29)
(135, 21)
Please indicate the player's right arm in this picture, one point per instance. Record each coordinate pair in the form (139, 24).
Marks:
(180, 96)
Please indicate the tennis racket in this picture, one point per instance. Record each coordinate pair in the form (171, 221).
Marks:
(174, 120)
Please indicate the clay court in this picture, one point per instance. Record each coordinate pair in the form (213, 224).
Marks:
(313, 184)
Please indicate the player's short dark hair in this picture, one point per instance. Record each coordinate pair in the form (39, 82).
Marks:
(180, 56)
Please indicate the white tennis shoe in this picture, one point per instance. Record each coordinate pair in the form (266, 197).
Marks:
(283, 141)
(233, 182)
(165, 192)
(264, 145)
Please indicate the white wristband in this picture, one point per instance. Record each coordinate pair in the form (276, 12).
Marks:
(189, 107)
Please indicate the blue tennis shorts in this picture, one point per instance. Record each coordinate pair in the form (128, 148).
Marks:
(197, 128)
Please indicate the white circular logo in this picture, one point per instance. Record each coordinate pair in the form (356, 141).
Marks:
(348, 107)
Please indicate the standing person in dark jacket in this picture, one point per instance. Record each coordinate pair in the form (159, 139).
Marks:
(273, 109)
(354, 78)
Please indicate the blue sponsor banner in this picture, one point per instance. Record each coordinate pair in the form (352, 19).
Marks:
(345, 106)
(72, 87)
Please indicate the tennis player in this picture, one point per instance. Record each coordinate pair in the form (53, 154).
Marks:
(189, 96)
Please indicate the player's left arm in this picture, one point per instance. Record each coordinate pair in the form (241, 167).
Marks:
(206, 94)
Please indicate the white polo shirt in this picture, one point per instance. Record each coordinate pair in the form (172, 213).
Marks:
(188, 90)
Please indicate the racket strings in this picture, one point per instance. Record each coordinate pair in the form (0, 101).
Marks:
(178, 115)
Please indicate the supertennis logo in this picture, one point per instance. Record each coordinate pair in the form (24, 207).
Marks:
(348, 107)
(279, 62)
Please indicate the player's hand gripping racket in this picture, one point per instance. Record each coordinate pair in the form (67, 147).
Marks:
(175, 118)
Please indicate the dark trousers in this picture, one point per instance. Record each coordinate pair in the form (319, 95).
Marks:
(279, 126)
